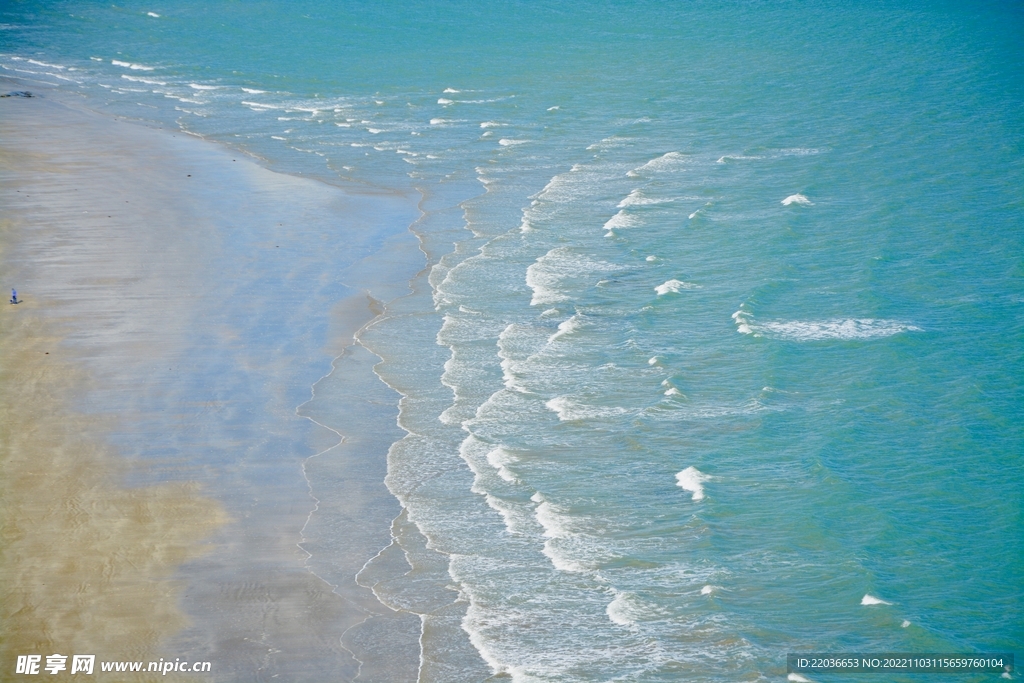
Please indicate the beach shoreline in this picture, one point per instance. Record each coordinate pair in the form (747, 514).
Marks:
(192, 298)
(578, 343)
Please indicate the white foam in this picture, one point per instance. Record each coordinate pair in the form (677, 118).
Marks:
(444, 101)
(476, 618)
(634, 197)
(691, 479)
(797, 199)
(555, 108)
(542, 285)
(611, 142)
(197, 86)
(737, 157)
(708, 411)
(569, 410)
(666, 162)
(621, 220)
(492, 124)
(741, 318)
(674, 287)
(797, 678)
(672, 391)
(153, 14)
(374, 131)
(46, 64)
(699, 211)
(651, 259)
(625, 609)
(566, 327)
(515, 523)
(508, 142)
(566, 187)
(129, 65)
(872, 600)
(499, 458)
(137, 79)
(562, 406)
(616, 611)
(905, 624)
(653, 360)
(559, 561)
(708, 589)
(548, 274)
(253, 91)
(494, 99)
(820, 330)
(800, 151)
(555, 522)
(637, 198)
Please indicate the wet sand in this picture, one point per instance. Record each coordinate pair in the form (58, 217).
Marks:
(158, 483)
(87, 563)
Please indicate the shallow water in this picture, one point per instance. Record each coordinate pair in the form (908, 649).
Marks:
(722, 325)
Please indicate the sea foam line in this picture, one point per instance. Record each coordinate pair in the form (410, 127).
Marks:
(819, 330)
(674, 287)
(129, 65)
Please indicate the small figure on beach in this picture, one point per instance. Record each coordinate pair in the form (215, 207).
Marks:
(14, 296)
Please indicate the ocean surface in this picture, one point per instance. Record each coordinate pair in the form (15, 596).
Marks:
(719, 349)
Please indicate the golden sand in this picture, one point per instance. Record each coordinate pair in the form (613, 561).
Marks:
(86, 562)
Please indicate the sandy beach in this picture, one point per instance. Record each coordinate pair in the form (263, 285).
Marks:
(531, 342)
(179, 302)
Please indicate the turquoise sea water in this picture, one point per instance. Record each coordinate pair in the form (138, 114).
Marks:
(723, 331)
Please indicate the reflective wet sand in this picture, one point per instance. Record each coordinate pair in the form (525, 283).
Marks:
(87, 562)
(180, 302)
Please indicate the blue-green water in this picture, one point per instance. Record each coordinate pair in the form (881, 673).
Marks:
(723, 329)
